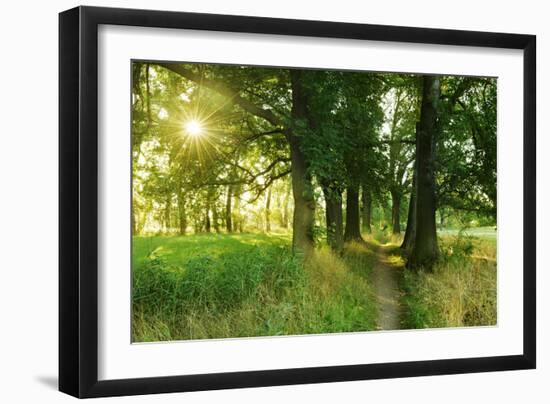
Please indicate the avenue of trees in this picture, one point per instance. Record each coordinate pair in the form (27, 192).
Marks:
(326, 155)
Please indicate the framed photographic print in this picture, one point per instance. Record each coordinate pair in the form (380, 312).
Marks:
(251, 201)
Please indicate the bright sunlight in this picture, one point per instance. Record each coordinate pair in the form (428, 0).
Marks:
(194, 127)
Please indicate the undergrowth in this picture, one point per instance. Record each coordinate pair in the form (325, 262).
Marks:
(257, 289)
(461, 290)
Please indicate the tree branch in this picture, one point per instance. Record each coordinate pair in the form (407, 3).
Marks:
(222, 89)
(267, 184)
(254, 136)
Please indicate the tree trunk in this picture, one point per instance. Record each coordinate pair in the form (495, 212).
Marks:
(396, 212)
(366, 211)
(198, 223)
(353, 232)
(215, 218)
(238, 219)
(268, 211)
(302, 188)
(168, 213)
(334, 218)
(281, 203)
(284, 215)
(425, 250)
(410, 231)
(182, 214)
(140, 223)
(304, 204)
(207, 224)
(228, 218)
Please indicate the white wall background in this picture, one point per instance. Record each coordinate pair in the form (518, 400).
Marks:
(28, 201)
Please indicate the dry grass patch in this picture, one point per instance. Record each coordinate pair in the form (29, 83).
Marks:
(461, 291)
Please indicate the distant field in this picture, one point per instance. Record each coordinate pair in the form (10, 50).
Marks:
(488, 232)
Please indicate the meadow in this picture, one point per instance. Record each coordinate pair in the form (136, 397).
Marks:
(241, 285)
(221, 286)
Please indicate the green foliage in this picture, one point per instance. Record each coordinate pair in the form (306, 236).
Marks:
(467, 145)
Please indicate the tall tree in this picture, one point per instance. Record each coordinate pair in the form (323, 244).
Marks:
(352, 231)
(425, 250)
(304, 204)
(304, 201)
(268, 211)
(410, 231)
(228, 218)
(182, 212)
(366, 209)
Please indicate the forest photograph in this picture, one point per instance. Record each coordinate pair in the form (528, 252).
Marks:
(271, 201)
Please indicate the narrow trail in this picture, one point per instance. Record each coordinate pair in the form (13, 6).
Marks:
(385, 277)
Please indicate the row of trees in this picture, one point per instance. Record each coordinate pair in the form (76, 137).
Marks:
(218, 146)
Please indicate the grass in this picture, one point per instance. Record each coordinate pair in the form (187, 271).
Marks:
(461, 290)
(222, 286)
(242, 285)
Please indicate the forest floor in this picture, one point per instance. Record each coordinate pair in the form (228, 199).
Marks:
(386, 276)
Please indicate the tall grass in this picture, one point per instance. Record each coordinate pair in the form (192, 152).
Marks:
(255, 288)
(461, 290)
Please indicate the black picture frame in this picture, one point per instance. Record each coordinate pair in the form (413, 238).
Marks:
(78, 201)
